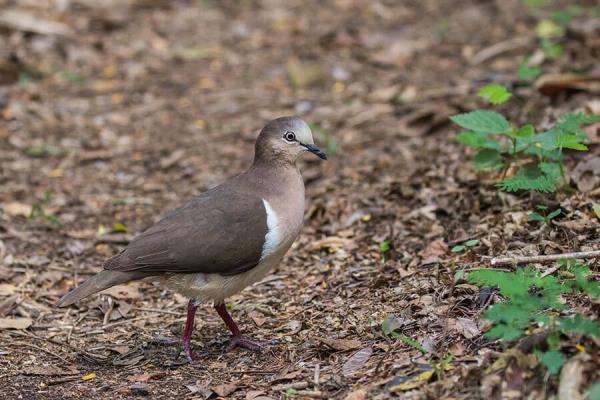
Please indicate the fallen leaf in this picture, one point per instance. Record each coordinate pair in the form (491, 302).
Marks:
(130, 291)
(550, 84)
(586, 174)
(571, 380)
(466, 327)
(331, 243)
(17, 209)
(356, 361)
(413, 382)
(6, 289)
(434, 250)
(225, 389)
(90, 376)
(15, 323)
(340, 344)
(145, 377)
(358, 394)
(257, 317)
(49, 370)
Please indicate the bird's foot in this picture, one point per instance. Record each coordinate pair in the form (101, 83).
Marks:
(242, 342)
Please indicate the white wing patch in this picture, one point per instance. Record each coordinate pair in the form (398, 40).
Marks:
(273, 236)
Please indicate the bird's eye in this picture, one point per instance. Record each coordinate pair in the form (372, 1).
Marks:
(289, 136)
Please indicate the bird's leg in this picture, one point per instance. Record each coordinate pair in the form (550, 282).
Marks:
(237, 340)
(189, 329)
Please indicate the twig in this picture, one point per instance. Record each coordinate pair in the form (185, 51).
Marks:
(499, 48)
(44, 350)
(550, 257)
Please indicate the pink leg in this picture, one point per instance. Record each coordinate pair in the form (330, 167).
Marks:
(189, 329)
(237, 340)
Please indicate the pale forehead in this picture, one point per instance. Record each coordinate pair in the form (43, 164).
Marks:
(302, 130)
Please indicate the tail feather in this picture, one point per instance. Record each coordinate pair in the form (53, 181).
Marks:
(102, 280)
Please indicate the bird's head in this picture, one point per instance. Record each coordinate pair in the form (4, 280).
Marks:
(285, 139)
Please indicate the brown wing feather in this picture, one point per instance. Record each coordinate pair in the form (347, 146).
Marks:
(220, 231)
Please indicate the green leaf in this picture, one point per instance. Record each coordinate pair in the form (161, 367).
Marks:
(548, 29)
(45, 150)
(495, 94)
(291, 392)
(526, 131)
(482, 121)
(411, 342)
(526, 73)
(458, 248)
(596, 208)
(580, 325)
(119, 227)
(504, 332)
(533, 216)
(553, 360)
(571, 142)
(472, 243)
(554, 214)
(477, 140)
(384, 247)
(594, 393)
(551, 50)
(519, 182)
(487, 159)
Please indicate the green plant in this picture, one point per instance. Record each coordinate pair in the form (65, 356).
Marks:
(465, 245)
(535, 300)
(38, 210)
(544, 216)
(596, 208)
(528, 160)
(384, 248)
(326, 137)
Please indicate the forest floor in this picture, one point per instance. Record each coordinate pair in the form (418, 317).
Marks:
(114, 112)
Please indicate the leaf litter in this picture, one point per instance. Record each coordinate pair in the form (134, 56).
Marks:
(100, 132)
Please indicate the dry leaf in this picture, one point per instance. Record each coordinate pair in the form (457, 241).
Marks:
(358, 394)
(257, 317)
(17, 209)
(571, 380)
(331, 243)
(90, 376)
(340, 344)
(49, 370)
(356, 361)
(467, 327)
(6, 289)
(145, 377)
(15, 323)
(130, 291)
(550, 84)
(225, 389)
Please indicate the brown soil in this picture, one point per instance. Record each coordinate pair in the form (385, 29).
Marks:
(141, 104)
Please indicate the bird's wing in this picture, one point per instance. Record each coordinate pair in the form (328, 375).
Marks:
(220, 231)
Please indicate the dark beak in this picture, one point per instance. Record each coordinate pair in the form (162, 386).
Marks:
(315, 150)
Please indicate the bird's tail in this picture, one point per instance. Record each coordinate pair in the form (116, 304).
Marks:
(102, 280)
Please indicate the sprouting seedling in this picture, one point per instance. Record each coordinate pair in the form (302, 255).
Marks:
(495, 94)
(384, 247)
(465, 245)
(38, 210)
(524, 158)
(543, 215)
